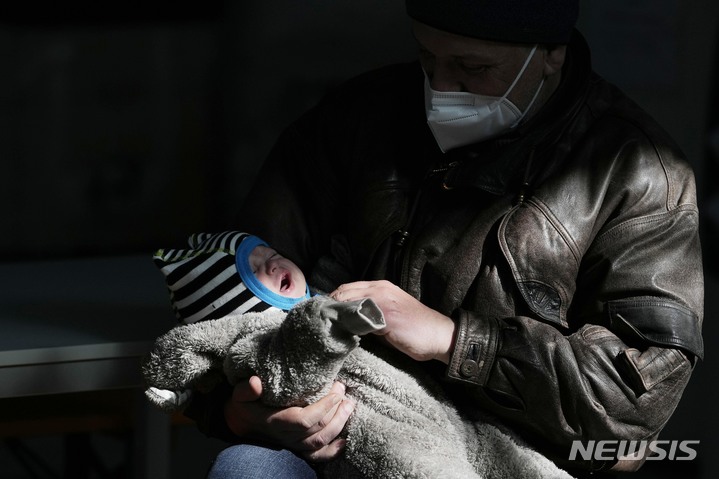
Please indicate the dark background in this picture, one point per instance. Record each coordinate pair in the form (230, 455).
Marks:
(123, 126)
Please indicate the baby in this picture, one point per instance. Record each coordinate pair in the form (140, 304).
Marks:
(250, 312)
(227, 273)
(221, 274)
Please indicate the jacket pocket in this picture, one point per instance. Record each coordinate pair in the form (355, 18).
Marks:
(646, 369)
(657, 321)
(543, 259)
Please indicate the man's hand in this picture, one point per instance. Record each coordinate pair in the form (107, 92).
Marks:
(415, 329)
(310, 431)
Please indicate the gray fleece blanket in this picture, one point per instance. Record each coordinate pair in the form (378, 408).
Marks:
(399, 429)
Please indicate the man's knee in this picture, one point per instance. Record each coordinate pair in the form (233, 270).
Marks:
(255, 462)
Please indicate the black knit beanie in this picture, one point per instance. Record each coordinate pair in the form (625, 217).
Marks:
(513, 21)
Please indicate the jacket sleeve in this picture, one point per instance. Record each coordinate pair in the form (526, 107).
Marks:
(593, 385)
(619, 366)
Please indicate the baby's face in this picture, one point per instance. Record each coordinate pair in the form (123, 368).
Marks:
(277, 273)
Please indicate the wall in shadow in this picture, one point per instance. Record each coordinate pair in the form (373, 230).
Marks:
(123, 129)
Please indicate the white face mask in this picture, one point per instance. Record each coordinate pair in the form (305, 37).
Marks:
(463, 118)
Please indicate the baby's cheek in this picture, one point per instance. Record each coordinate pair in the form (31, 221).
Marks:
(265, 280)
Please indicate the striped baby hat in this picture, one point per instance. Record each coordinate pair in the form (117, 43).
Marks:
(203, 280)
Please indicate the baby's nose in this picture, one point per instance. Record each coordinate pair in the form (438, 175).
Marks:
(271, 266)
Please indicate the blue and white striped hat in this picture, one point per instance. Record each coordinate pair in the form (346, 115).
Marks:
(213, 278)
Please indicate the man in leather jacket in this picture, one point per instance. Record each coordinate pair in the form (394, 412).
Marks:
(550, 272)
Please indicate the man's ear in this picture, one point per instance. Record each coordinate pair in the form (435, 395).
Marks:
(554, 59)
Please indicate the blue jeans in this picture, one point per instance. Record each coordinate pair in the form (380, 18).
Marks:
(247, 461)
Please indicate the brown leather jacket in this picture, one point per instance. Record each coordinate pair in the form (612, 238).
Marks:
(567, 251)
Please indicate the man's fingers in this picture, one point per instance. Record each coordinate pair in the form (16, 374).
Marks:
(327, 453)
(325, 435)
(337, 388)
(351, 291)
(313, 430)
(362, 289)
(241, 411)
(354, 285)
(313, 414)
(312, 417)
(246, 391)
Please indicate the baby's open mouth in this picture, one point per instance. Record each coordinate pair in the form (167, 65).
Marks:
(285, 283)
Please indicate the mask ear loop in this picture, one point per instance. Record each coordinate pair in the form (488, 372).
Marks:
(521, 72)
(519, 75)
(529, 107)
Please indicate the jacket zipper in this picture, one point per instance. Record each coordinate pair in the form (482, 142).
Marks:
(400, 259)
(524, 189)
